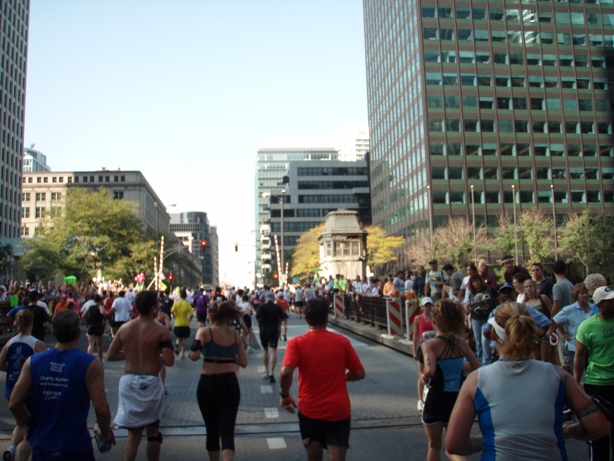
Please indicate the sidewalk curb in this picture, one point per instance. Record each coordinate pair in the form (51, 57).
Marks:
(374, 334)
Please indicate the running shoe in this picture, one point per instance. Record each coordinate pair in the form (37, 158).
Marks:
(9, 455)
(265, 375)
(272, 379)
(177, 349)
(250, 349)
(420, 405)
(285, 338)
(165, 389)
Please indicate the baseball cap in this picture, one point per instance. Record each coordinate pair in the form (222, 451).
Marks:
(426, 300)
(280, 294)
(603, 293)
(506, 285)
(433, 261)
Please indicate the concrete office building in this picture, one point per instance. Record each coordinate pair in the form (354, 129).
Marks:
(192, 228)
(13, 58)
(492, 96)
(44, 191)
(34, 161)
(272, 166)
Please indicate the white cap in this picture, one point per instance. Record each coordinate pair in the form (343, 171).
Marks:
(426, 300)
(602, 293)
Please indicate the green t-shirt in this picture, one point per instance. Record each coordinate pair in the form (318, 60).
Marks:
(597, 335)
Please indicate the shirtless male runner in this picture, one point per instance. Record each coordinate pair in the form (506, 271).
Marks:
(146, 347)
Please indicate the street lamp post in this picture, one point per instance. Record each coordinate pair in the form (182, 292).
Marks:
(428, 199)
(282, 274)
(281, 269)
(556, 250)
(515, 228)
(475, 251)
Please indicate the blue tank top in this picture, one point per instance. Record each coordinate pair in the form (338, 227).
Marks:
(19, 348)
(59, 401)
(449, 367)
(212, 349)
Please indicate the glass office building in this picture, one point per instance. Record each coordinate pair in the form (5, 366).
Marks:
(13, 61)
(488, 94)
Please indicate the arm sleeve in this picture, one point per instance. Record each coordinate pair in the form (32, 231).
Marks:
(352, 363)
(556, 293)
(291, 355)
(583, 335)
(563, 315)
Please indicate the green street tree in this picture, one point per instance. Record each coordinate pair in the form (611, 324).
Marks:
(306, 255)
(537, 234)
(589, 236)
(90, 232)
(503, 241)
(453, 242)
(381, 246)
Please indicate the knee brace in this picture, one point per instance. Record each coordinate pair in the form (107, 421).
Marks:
(158, 438)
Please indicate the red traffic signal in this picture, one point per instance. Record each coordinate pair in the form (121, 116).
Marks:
(275, 276)
(203, 244)
(171, 277)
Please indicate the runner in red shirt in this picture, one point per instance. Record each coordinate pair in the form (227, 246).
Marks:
(324, 416)
(281, 302)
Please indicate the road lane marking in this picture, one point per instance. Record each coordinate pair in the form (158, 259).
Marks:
(261, 369)
(276, 443)
(266, 390)
(271, 413)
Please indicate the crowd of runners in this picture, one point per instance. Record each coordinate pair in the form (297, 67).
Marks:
(479, 346)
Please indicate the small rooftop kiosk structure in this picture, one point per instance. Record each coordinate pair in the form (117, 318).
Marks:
(343, 245)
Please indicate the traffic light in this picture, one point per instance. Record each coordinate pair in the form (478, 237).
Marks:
(170, 277)
(275, 276)
(236, 246)
(203, 244)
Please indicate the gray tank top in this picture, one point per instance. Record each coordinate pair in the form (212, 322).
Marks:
(520, 406)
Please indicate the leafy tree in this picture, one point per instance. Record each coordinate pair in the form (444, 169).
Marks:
(91, 231)
(381, 246)
(589, 236)
(504, 241)
(306, 255)
(537, 234)
(454, 241)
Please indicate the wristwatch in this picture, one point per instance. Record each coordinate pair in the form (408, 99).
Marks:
(283, 396)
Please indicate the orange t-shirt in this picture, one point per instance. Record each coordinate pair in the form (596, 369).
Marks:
(281, 302)
(322, 390)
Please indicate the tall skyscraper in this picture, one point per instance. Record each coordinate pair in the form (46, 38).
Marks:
(15, 16)
(192, 228)
(34, 161)
(514, 102)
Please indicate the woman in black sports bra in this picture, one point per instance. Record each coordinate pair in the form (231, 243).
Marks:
(218, 390)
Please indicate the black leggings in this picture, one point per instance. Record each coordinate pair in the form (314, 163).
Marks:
(599, 450)
(218, 398)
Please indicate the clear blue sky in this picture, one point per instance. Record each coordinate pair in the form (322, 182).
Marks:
(185, 90)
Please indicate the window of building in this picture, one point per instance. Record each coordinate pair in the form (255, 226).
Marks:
(571, 127)
(439, 197)
(56, 196)
(471, 126)
(518, 81)
(606, 151)
(467, 80)
(45, 179)
(436, 148)
(577, 196)
(122, 178)
(491, 197)
(118, 195)
(308, 213)
(25, 212)
(40, 196)
(455, 172)
(25, 231)
(40, 212)
(487, 126)
(521, 126)
(504, 103)
(554, 126)
(502, 80)
(525, 196)
(54, 179)
(519, 103)
(523, 149)
(25, 197)
(490, 172)
(474, 172)
(482, 57)
(450, 102)
(506, 126)
(61, 178)
(438, 172)
(508, 172)
(486, 102)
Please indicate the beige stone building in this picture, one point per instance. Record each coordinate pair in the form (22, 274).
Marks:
(44, 191)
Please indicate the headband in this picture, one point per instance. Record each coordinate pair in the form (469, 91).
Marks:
(498, 329)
